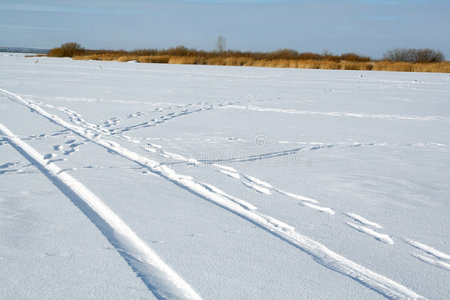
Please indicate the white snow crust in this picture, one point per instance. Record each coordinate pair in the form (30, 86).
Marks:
(129, 181)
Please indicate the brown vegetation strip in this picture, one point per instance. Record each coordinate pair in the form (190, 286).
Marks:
(284, 58)
(438, 67)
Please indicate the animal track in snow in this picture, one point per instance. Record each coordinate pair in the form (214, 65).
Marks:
(320, 253)
(7, 165)
(35, 137)
(15, 168)
(251, 182)
(72, 144)
(49, 156)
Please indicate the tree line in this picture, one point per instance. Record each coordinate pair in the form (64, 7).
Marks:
(398, 55)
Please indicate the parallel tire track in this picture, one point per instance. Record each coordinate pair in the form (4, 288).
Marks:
(162, 281)
(320, 253)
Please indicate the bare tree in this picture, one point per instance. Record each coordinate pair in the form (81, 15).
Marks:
(67, 50)
(414, 55)
(221, 44)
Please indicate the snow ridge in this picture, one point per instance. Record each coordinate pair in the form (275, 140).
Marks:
(320, 253)
(154, 272)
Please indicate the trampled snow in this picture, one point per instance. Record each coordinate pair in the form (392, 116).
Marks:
(146, 180)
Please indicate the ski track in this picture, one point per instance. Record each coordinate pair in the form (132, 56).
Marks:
(248, 181)
(320, 253)
(363, 220)
(295, 196)
(231, 174)
(430, 250)
(258, 181)
(252, 183)
(326, 210)
(338, 114)
(257, 188)
(256, 156)
(154, 272)
(385, 238)
(432, 261)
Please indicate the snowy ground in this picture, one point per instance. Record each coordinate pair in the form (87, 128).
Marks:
(130, 181)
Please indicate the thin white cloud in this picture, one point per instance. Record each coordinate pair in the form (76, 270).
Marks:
(30, 28)
(78, 9)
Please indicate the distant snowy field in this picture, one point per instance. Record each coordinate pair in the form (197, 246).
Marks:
(141, 181)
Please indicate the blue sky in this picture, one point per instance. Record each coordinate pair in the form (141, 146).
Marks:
(363, 26)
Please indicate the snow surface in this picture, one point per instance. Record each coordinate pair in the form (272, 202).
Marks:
(182, 182)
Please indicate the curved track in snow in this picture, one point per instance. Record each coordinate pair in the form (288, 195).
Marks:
(162, 281)
(320, 253)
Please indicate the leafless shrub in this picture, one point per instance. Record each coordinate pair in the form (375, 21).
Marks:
(221, 44)
(354, 57)
(413, 55)
(67, 50)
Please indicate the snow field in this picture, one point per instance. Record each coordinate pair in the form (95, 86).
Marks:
(267, 167)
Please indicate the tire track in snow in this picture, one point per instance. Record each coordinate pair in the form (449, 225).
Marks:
(320, 253)
(161, 280)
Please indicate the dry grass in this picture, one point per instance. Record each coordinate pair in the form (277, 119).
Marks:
(87, 57)
(440, 67)
(126, 58)
(153, 59)
(184, 60)
(283, 58)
